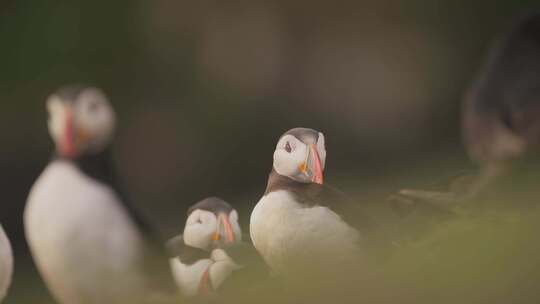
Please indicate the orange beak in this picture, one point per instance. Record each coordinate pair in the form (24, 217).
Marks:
(316, 166)
(67, 144)
(312, 167)
(224, 225)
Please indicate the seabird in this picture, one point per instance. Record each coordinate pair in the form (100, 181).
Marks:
(299, 222)
(500, 114)
(210, 249)
(6, 264)
(89, 244)
(501, 111)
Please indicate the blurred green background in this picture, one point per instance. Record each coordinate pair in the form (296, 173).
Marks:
(204, 89)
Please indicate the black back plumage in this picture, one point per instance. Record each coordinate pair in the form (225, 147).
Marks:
(188, 255)
(313, 194)
(212, 204)
(99, 167)
(506, 93)
(511, 78)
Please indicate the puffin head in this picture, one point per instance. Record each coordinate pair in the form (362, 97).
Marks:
(81, 120)
(212, 223)
(301, 155)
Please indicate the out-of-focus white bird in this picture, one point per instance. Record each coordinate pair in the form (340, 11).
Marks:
(6, 264)
(88, 243)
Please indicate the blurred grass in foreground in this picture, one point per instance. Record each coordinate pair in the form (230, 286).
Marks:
(486, 252)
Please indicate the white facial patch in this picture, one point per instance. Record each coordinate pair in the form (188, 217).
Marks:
(233, 219)
(289, 155)
(95, 116)
(57, 117)
(321, 148)
(200, 227)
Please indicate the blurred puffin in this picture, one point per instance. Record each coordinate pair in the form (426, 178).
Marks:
(210, 249)
(501, 114)
(299, 220)
(6, 264)
(501, 111)
(88, 243)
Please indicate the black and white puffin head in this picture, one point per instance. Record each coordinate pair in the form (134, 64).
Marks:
(212, 223)
(81, 120)
(301, 155)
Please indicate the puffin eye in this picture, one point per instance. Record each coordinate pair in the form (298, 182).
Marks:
(288, 147)
(93, 106)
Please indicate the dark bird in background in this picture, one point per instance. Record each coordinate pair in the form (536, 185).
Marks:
(88, 242)
(501, 111)
(210, 253)
(6, 264)
(501, 114)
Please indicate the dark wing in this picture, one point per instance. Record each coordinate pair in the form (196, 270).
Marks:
(351, 211)
(245, 254)
(176, 248)
(502, 110)
(312, 194)
(156, 266)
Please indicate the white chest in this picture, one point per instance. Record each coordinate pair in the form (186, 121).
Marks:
(284, 232)
(6, 264)
(217, 267)
(80, 236)
(188, 277)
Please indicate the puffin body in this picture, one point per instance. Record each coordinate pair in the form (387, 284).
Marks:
(285, 232)
(205, 275)
(88, 243)
(81, 238)
(502, 109)
(210, 249)
(6, 264)
(299, 221)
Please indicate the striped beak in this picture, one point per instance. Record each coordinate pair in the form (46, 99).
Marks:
(224, 232)
(67, 141)
(312, 167)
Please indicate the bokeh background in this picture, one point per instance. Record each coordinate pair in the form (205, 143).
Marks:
(203, 90)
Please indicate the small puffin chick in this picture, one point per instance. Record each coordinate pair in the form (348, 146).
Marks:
(199, 259)
(89, 244)
(6, 264)
(299, 222)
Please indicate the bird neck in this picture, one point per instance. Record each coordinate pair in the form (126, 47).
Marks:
(97, 166)
(278, 182)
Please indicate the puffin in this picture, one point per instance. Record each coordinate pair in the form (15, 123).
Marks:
(6, 264)
(87, 241)
(300, 223)
(210, 250)
(500, 114)
(501, 110)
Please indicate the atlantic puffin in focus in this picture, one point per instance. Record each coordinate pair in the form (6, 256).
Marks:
(210, 249)
(88, 243)
(6, 264)
(300, 221)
